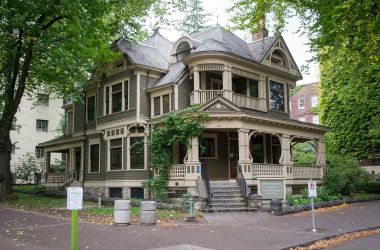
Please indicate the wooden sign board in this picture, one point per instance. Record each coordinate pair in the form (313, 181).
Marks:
(272, 189)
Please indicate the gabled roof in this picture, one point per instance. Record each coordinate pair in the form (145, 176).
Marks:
(260, 47)
(153, 52)
(176, 70)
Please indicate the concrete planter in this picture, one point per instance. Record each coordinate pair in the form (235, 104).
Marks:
(122, 212)
(148, 211)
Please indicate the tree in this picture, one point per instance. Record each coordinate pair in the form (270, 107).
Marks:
(27, 167)
(53, 46)
(346, 40)
(195, 18)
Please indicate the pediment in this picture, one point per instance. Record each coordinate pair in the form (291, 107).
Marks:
(219, 104)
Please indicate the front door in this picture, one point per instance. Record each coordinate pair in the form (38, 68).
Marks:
(233, 157)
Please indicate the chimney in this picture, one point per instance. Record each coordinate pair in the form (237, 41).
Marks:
(263, 32)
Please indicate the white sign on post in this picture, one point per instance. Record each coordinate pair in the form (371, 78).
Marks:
(312, 188)
(74, 198)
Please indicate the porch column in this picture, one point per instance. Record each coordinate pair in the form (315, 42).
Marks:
(193, 152)
(321, 157)
(196, 85)
(243, 136)
(286, 158)
(46, 167)
(227, 83)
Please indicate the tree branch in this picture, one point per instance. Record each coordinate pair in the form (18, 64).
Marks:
(52, 21)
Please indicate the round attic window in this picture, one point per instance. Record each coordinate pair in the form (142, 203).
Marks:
(183, 50)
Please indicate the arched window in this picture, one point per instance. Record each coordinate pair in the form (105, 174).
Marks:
(278, 57)
(183, 50)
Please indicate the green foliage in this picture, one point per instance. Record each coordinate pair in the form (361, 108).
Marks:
(346, 39)
(303, 154)
(294, 89)
(344, 176)
(59, 166)
(175, 127)
(27, 166)
(324, 194)
(32, 188)
(314, 110)
(195, 18)
(62, 125)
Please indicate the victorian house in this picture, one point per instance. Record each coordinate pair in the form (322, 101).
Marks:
(243, 87)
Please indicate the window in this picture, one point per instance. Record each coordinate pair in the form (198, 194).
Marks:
(314, 101)
(253, 86)
(115, 192)
(302, 119)
(277, 98)
(301, 103)
(116, 154)
(43, 99)
(137, 153)
(315, 119)
(39, 152)
(209, 147)
(183, 50)
(42, 125)
(116, 97)
(276, 150)
(161, 104)
(257, 148)
(157, 106)
(94, 158)
(91, 108)
(137, 193)
(165, 104)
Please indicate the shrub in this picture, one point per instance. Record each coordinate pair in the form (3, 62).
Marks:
(27, 167)
(373, 187)
(345, 177)
(59, 166)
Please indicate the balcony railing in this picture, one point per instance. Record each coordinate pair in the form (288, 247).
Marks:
(248, 102)
(207, 95)
(268, 170)
(308, 172)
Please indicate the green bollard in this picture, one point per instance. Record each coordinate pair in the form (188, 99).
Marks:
(191, 216)
(74, 229)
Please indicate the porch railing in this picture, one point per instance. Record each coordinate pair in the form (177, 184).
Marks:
(308, 172)
(245, 189)
(268, 170)
(178, 172)
(207, 95)
(61, 179)
(248, 102)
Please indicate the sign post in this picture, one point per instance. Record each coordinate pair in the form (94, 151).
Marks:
(312, 190)
(74, 202)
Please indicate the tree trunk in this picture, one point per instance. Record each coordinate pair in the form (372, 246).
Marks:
(5, 164)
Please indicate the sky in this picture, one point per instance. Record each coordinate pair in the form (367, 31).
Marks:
(297, 43)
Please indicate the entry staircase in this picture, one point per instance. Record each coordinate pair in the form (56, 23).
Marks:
(226, 196)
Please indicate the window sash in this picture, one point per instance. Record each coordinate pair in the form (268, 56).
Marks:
(156, 106)
(165, 104)
(91, 106)
(42, 125)
(209, 145)
(301, 103)
(137, 152)
(126, 95)
(277, 97)
(94, 158)
(253, 86)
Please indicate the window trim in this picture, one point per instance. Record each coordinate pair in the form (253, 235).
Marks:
(96, 101)
(160, 94)
(39, 103)
(300, 100)
(47, 126)
(215, 137)
(317, 117)
(258, 88)
(90, 143)
(110, 84)
(35, 152)
(109, 155)
(129, 151)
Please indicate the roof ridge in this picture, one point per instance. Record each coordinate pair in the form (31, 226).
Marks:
(261, 39)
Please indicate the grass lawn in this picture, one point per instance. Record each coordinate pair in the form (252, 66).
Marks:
(27, 187)
(91, 212)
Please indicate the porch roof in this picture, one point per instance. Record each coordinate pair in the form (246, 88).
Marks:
(62, 140)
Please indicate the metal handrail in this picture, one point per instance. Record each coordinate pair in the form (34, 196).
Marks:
(245, 189)
(207, 183)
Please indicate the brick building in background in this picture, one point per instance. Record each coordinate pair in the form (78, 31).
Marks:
(302, 103)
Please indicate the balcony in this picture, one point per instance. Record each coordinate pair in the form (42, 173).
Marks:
(238, 99)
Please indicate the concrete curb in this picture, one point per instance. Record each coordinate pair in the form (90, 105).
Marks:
(306, 244)
(297, 209)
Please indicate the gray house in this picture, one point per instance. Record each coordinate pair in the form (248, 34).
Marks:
(243, 87)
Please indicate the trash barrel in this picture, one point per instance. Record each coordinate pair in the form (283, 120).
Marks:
(148, 211)
(122, 212)
(276, 206)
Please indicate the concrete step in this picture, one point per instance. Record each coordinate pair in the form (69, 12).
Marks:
(227, 200)
(228, 210)
(227, 205)
(225, 189)
(217, 192)
(226, 196)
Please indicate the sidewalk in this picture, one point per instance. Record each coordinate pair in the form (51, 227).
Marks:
(29, 230)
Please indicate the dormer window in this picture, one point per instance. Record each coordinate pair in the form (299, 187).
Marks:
(183, 50)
